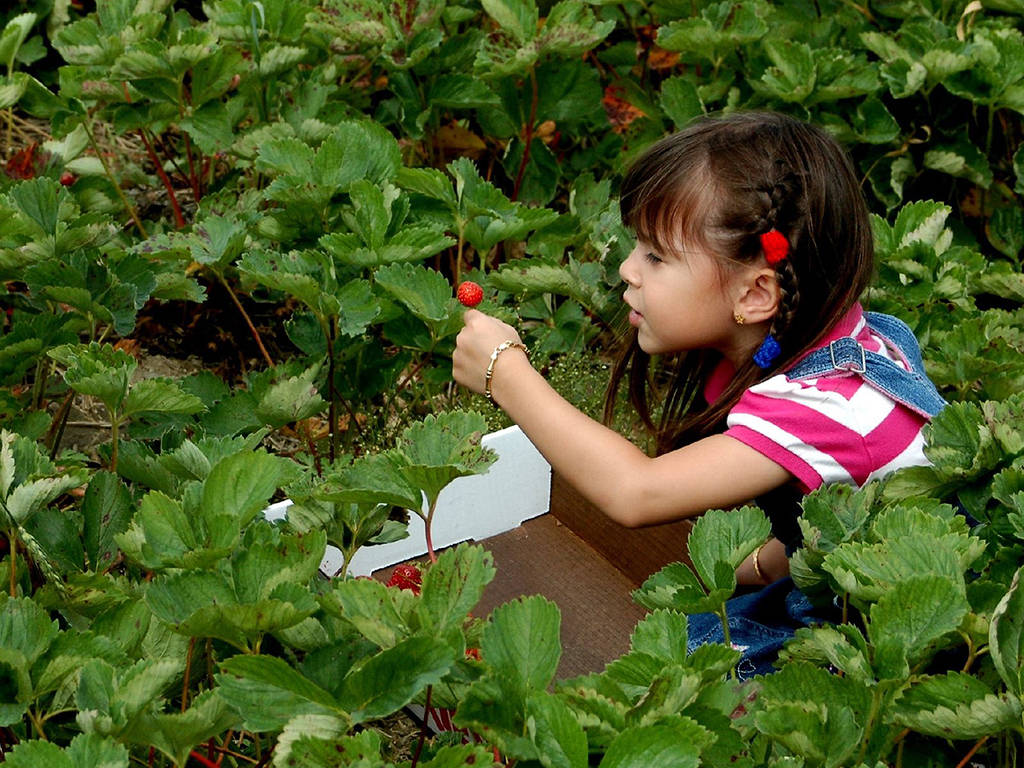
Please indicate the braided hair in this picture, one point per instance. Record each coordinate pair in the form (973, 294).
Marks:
(722, 183)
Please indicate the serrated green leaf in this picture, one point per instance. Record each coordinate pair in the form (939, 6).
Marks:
(559, 740)
(677, 744)
(159, 396)
(1006, 636)
(453, 586)
(267, 692)
(392, 678)
(662, 634)
(725, 536)
(106, 511)
(291, 399)
(521, 644)
(955, 706)
(238, 488)
(909, 618)
(176, 734)
(374, 478)
(518, 18)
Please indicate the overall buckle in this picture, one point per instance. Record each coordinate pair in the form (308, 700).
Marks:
(850, 365)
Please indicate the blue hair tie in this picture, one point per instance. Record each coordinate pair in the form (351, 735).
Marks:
(767, 352)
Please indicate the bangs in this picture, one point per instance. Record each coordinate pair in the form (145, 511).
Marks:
(669, 201)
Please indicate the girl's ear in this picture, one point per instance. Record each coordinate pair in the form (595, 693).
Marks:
(759, 295)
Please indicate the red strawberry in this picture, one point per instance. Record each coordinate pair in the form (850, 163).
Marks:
(406, 577)
(470, 294)
(68, 178)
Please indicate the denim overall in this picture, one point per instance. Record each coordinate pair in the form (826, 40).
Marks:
(760, 622)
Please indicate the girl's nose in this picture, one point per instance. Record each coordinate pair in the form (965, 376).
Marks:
(628, 268)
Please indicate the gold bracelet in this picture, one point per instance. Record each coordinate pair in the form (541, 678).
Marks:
(757, 566)
(494, 356)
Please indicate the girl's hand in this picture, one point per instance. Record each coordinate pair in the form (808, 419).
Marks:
(474, 345)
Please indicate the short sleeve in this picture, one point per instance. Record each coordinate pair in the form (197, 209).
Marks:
(827, 430)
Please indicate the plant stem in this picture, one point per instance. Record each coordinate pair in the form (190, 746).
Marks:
(424, 728)
(208, 763)
(37, 723)
(12, 551)
(329, 329)
(428, 520)
(110, 175)
(115, 433)
(245, 316)
(60, 421)
(528, 135)
(188, 673)
(179, 219)
(970, 753)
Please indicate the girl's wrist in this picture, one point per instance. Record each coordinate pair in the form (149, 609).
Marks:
(504, 373)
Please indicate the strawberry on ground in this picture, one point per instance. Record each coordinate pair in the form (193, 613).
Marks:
(469, 294)
(406, 577)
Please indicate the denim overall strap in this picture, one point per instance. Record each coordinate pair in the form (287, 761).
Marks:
(845, 355)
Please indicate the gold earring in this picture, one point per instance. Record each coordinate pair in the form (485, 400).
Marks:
(740, 319)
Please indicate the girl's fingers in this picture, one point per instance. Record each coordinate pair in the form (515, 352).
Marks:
(474, 345)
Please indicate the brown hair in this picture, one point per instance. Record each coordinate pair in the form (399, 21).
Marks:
(720, 183)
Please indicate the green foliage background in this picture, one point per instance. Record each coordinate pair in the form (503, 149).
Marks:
(339, 166)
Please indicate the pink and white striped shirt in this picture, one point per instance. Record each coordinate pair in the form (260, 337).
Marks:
(831, 429)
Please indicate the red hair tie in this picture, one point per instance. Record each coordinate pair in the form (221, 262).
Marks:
(775, 246)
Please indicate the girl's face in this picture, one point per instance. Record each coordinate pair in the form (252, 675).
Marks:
(680, 301)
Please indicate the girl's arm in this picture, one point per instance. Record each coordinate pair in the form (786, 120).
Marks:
(610, 471)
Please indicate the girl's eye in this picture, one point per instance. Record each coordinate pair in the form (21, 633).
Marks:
(652, 257)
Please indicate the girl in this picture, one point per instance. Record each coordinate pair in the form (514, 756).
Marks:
(753, 247)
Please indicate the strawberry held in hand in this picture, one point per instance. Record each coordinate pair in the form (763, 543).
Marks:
(469, 294)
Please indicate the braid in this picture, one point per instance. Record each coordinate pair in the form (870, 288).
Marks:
(789, 299)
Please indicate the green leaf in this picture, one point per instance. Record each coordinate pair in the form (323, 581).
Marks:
(267, 692)
(679, 588)
(374, 478)
(26, 628)
(963, 160)
(453, 586)
(1006, 636)
(374, 610)
(653, 745)
(454, 90)
(97, 370)
(681, 101)
(106, 511)
(160, 396)
(238, 488)
(559, 739)
(793, 76)
(521, 644)
(176, 734)
(518, 18)
(289, 400)
(663, 635)
(86, 750)
(424, 292)
(725, 536)
(13, 36)
(955, 706)
(392, 678)
(909, 618)
(433, 452)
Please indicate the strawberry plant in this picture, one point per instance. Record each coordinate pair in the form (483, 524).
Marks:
(330, 171)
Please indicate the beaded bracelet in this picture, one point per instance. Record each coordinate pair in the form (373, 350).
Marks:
(508, 344)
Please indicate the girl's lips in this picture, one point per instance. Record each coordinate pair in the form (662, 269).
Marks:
(635, 317)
